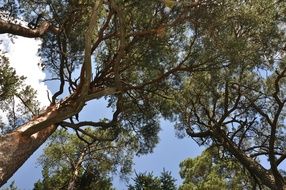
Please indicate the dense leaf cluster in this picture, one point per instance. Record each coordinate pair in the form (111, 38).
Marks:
(147, 181)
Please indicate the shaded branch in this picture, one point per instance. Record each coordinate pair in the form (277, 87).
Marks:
(17, 29)
(61, 69)
(85, 76)
(103, 125)
(203, 134)
(280, 159)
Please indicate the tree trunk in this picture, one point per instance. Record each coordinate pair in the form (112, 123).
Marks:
(16, 148)
(251, 165)
(72, 182)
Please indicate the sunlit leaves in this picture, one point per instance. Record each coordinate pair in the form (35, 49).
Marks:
(211, 171)
(66, 156)
(18, 101)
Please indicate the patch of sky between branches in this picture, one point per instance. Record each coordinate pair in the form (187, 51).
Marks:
(22, 54)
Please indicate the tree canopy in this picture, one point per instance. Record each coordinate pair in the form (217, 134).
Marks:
(69, 163)
(147, 181)
(214, 67)
(214, 170)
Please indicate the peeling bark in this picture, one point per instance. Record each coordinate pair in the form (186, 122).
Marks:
(16, 148)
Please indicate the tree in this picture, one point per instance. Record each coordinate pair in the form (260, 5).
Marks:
(12, 87)
(69, 163)
(240, 107)
(120, 50)
(12, 186)
(217, 68)
(148, 181)
(214, 170)
(167, 181)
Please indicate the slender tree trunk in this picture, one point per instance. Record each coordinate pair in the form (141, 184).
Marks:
(16, 148)
(72, 182)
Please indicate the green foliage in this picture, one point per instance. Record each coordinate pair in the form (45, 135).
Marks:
(9, 81)
(66, 157)
(147, 181)
(167, 181)
(211, 170)
(237, 98)
(98, 184)
(216, 68)
(146, 57)
(12, 186)
(17, 100)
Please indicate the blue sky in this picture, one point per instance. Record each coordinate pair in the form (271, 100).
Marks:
(167, 155)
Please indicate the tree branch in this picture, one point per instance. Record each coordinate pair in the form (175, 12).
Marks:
(17, 29)
(85, 76)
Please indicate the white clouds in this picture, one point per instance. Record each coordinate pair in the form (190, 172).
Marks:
(23, 57)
